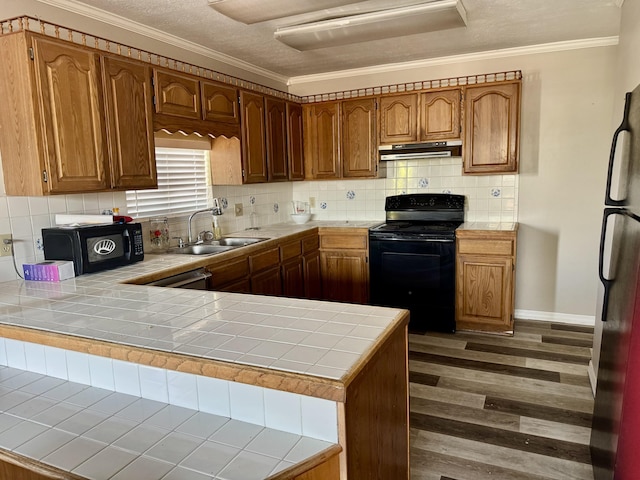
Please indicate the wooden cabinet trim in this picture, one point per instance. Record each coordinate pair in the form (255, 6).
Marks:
(344, 242)
(228, 272)
(262, 260)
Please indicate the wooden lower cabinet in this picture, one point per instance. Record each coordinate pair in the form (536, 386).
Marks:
(267, 282)
(312, 275)
(344, 265)
(485, 274)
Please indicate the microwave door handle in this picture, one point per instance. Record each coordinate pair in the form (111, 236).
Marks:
(624, 127)
(127, 244)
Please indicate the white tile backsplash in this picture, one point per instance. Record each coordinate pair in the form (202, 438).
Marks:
(247, 403)
(34, 356)
(153, 383)
(15, 354)
(78, 367)
(319, 418)
(183, 390)
(56, 359)
(213, 396)
(283, 411)
(101, 371)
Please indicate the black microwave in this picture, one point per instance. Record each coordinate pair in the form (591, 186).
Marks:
(94, 247)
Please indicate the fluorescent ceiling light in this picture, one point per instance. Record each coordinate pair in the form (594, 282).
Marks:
(396, 22)
(250, 11)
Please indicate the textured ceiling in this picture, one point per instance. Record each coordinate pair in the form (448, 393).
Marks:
(491, 25)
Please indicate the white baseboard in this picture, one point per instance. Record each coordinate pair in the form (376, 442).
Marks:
(592, 377)
(588, 320)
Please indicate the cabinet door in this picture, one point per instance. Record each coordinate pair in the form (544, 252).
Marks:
(254, 155)
(312, 276)
(359, 146)
(295, 152)
(219, 102)
(345, 276)
(177, 94)
(399, 118)
(72, 108)
(276, 139)
(491, 128)
(128, 96)
(440, 115)
(322, 140)
(293, 278)
(484, 293)
(267, 282)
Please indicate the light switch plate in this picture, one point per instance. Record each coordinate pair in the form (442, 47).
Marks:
(239, 210)
(6, 248)
(312, 202)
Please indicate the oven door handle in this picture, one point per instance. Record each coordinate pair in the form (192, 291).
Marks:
(426, 240)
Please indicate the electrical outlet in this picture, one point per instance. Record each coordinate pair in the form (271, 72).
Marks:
(312, 202)
(6, 245)
(239, 210)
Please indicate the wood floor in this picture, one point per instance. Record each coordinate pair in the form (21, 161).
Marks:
(501, 408)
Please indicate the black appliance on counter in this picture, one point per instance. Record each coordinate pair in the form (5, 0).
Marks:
(413, 258)
(94, 247)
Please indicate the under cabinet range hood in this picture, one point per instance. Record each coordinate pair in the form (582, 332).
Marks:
(409, 151)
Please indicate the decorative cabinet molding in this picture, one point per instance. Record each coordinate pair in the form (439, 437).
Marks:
(66, 127)
(492, 128)
(485, 280)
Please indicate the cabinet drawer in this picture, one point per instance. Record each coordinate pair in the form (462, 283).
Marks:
(265, 259)
(498, 246)
(349, 242)
(310, 244)
(290, 250)
(227, 272)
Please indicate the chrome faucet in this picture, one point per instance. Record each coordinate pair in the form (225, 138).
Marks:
(216, 210)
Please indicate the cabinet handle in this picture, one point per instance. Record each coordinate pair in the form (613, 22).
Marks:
(624, 127)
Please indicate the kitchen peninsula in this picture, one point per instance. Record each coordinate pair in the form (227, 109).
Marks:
(333, 372)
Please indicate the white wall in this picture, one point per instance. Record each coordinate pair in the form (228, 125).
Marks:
(566, 125)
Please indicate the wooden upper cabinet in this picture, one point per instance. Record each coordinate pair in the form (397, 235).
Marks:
(359, 142)
(492, 117)
(128, 92)
(399, 118)
(440, 115)
(219, 102)
(79, 120)
(276, 131)
(295, 145)
(177, 94)
(322, 140)
(254, 155)
(71, 103)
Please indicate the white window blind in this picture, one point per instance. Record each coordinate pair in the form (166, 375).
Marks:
(182, 184)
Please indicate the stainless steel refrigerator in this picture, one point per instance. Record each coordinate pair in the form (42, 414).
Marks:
(615, 434)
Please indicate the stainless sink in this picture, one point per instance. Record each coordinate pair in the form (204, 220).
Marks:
(201, 249)
(239, 241)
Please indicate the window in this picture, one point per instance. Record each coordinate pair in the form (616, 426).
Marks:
(182, 184)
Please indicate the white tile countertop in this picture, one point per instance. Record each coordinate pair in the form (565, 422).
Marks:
(294, 354)
(316, 338)
(99, 434)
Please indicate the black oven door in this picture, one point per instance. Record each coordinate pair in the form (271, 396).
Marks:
(418, 275)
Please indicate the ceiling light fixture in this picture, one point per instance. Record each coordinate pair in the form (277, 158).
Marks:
(396, 22)
(248, 12)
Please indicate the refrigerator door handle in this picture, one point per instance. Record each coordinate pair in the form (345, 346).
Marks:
(624, 127)
(606, 282)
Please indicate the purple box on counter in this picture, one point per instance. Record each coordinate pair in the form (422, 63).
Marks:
(49, 270)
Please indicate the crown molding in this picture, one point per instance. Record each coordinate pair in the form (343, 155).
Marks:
(488, 55)
(155, 34)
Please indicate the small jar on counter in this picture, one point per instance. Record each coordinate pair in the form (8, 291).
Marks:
(159, 233)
